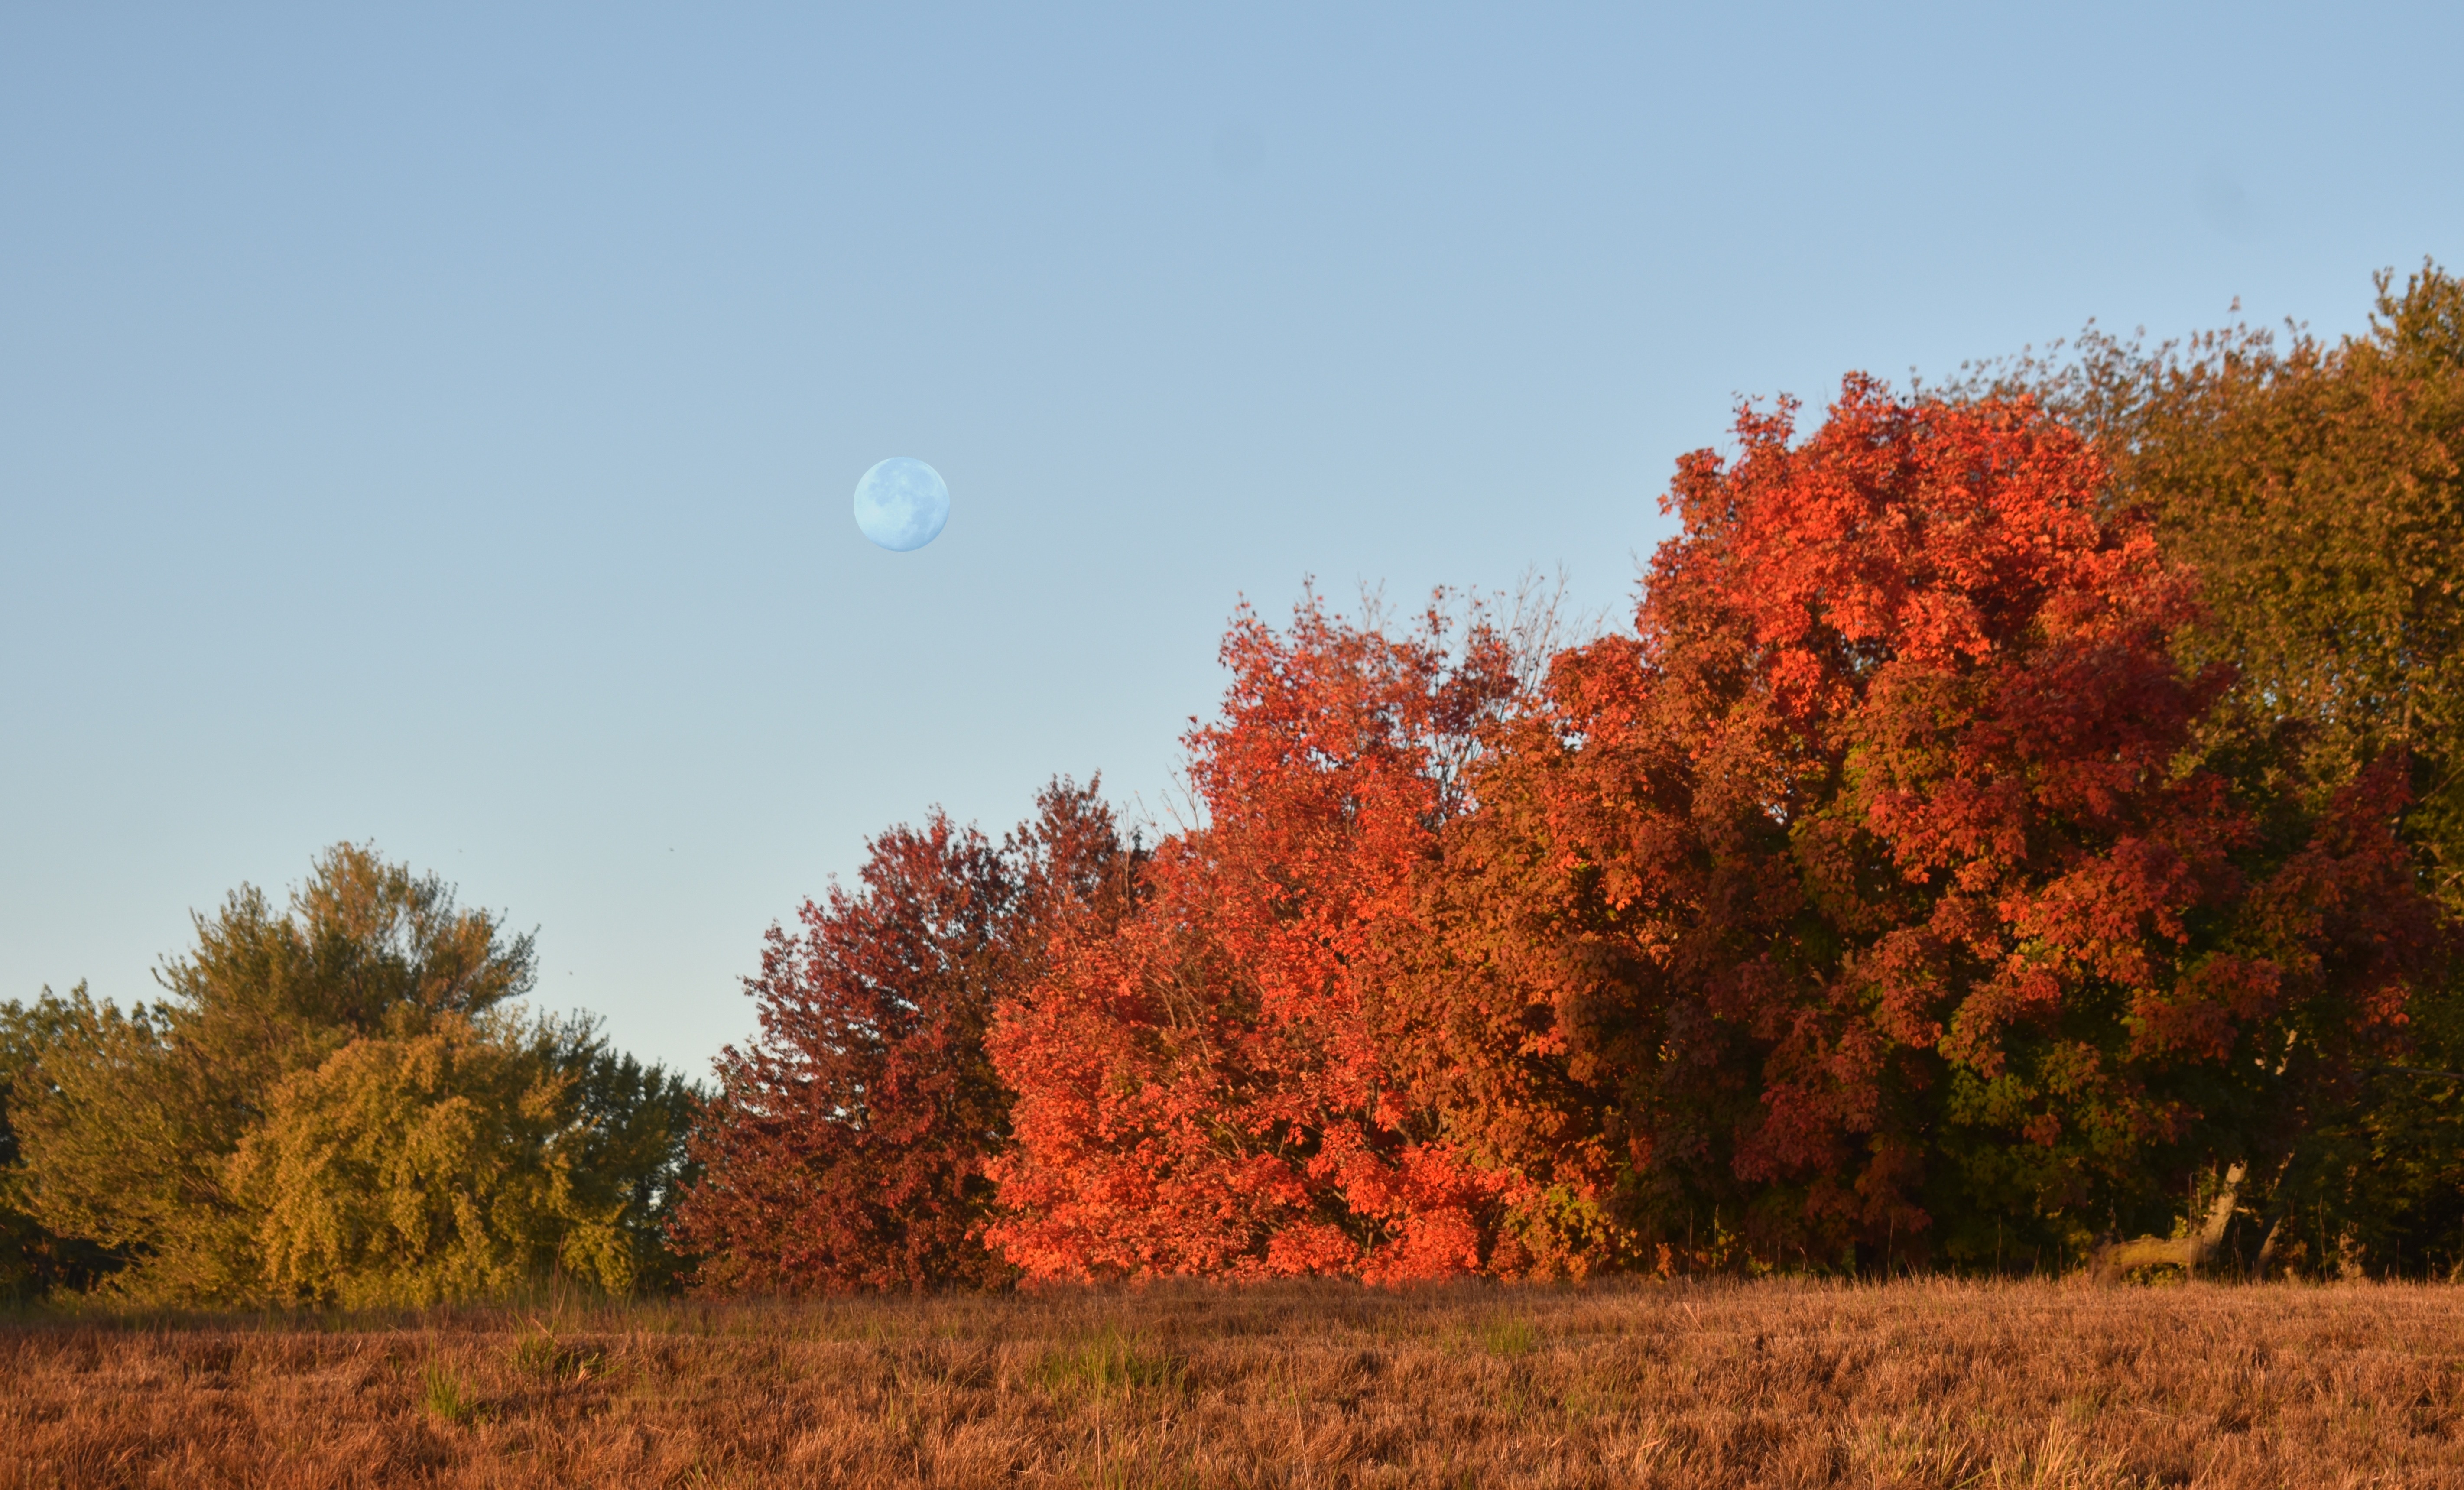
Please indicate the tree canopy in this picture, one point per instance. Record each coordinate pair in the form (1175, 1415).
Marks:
(2315, 491)
(849, 1146)
(342, 1103)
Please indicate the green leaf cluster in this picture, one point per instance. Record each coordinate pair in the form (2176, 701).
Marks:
(35, 1260)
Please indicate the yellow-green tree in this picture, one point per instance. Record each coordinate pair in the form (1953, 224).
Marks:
(432, 1164)
(340, 1102)
(34, 1259)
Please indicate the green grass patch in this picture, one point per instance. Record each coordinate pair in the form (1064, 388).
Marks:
(541, 1355)
(1509, 1339)
(1111, 1363)
(443, 1397)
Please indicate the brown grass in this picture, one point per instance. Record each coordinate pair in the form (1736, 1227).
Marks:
(1771, 1383)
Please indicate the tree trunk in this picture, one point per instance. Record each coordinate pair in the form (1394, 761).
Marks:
(2191, 1253)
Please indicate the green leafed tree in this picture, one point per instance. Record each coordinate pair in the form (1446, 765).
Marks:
(342, 1103)
(34, 1259)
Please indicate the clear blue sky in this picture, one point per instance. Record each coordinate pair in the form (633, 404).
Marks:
(438, 427)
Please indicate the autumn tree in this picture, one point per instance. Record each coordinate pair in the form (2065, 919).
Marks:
(2316, 488)
(317, 1079)
(1867, 903)
(1203, 1089)
(847, 1146)
(440, 1161)
(2314, 492)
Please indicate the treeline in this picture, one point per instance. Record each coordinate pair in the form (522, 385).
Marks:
(2021, 812)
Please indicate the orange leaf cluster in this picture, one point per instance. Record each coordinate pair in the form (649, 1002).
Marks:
(1206, 1091)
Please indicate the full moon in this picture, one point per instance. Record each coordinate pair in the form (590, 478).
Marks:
(901, 503)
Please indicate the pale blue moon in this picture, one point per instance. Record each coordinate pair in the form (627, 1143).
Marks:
(901, 503)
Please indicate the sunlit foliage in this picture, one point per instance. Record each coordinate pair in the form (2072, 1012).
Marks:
(1204, 1090)
(1868, 883)
(846, 1147)
(342, 1104)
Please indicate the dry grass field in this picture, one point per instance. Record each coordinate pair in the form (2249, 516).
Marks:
(1771, 1383)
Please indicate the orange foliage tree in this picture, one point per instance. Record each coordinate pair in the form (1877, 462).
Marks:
(847, 1146)
(1203, 1090)
(1863, 900)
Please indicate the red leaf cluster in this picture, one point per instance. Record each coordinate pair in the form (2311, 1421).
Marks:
(846, 1146)
(1866, 886)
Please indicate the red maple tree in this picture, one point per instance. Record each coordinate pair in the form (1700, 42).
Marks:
(846, 1149)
